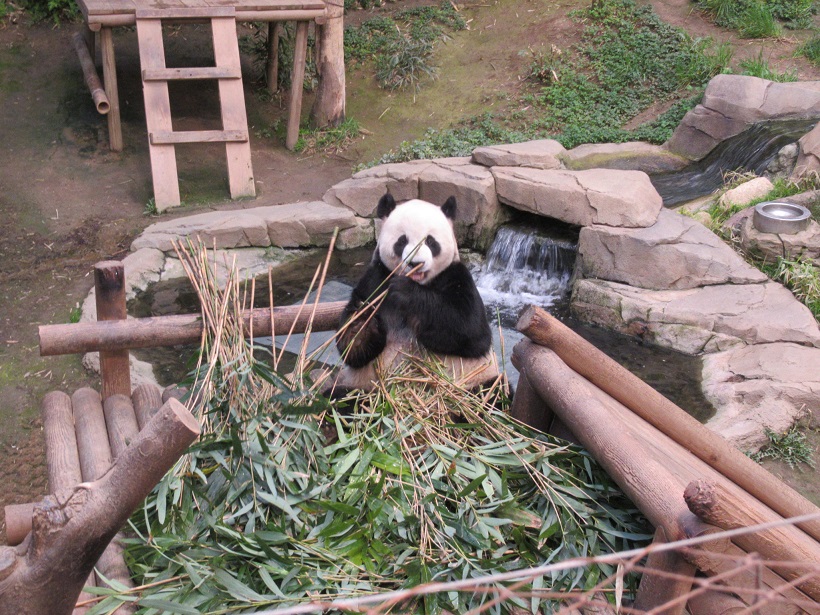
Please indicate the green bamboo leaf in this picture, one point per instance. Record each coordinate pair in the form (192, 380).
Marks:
(167, 606)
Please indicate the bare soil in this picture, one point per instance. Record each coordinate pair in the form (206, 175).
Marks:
(67, 202)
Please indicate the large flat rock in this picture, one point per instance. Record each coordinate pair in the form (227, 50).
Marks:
(674, 253)
(361, 193)
(538, 154)
(698, 320)
(754, 388)
(582, 198)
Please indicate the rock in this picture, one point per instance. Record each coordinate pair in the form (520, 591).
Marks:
(808, 155)
(703, 217)
(540, 154)
(361, 193)
(698, 320)
(784, 162)
(732, 103)
(635, 156)
(142, 268)
(300, 225)
(600, 196)
(226, 229)
(767, 386)
(142, 372)
(752, 190)
(804, 244)
(675, 253)
(478, 211)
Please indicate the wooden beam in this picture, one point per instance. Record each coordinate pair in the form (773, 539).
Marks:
(109, 287)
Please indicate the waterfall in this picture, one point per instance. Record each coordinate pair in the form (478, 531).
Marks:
(525, 266)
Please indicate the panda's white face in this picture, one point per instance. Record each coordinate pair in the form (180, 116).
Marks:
(418, 236)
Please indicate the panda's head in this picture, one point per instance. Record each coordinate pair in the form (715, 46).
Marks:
(419, 235)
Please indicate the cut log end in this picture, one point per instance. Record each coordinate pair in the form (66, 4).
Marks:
(178, 412)
(700, 497)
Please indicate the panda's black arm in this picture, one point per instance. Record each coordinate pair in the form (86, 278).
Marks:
(447, 315)
(363, 339)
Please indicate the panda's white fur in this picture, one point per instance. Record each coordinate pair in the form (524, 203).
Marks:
(417, 220)
(416, 239)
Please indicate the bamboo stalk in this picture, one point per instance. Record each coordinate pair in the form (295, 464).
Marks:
(92, 78)
(654, 408)
(176, 330)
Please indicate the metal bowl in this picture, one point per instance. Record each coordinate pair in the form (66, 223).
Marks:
(780, 218)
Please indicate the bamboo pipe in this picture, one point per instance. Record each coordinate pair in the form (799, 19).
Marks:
(92, 79)
(646, 402)
(179, 329)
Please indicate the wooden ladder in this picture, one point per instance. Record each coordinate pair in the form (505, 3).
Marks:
(155, 77)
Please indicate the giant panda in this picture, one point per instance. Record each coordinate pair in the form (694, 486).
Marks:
(429, 302)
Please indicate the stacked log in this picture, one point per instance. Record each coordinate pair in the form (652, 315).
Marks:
(655, 453)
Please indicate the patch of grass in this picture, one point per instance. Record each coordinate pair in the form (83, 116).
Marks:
(790, 447)
(811, 50)
(401, 48)
(55, 10)
(759, 67)
(328, 140)
(801, 276)
(75, 314)
(150, 208)
(760, 18)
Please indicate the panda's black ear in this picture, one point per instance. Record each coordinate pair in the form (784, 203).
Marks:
(386, 204)
(449, 208)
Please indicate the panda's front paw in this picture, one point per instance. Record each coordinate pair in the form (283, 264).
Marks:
(362, 339)
(401, 291)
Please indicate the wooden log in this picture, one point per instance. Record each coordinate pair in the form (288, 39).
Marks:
(121, 423)
(62, 457)
(92, 435)
(71, 530)
(297, 80)
(711, 602)
(329, 103)
(667, 576)
(654, 408)
(92, 79)
(18, 522)
(272, 62)
(109, 63)
(179, 329)
(109, 287)
(719, 506)
(648, 465)
(528, 407)
(174, 391)
(147, 399)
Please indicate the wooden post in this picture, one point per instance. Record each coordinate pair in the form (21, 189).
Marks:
(654, 408)
(297, 80)
(528, 407)
(109, 286)
(109, 63)
(272, 63)
(147, 399)
(667, 575)
(329, 103)
(72, 529)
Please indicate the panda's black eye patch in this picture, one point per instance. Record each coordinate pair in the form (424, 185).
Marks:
(400, 245)
(435, 246)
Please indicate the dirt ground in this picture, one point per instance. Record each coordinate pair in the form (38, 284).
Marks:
(67, 202)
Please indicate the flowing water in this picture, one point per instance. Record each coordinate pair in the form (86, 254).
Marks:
(751, 150)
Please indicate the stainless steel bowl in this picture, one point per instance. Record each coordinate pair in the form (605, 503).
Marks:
(780, 218)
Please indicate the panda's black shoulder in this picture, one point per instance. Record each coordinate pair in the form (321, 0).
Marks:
(455, 277)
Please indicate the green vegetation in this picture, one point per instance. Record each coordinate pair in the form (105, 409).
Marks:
(327, 140)
(801, 276)
(759, 67)
(790, 447)
(285, 499)
(54, 10)
(401, 47)
(811, 50)
(760, 18)
(627, 60)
